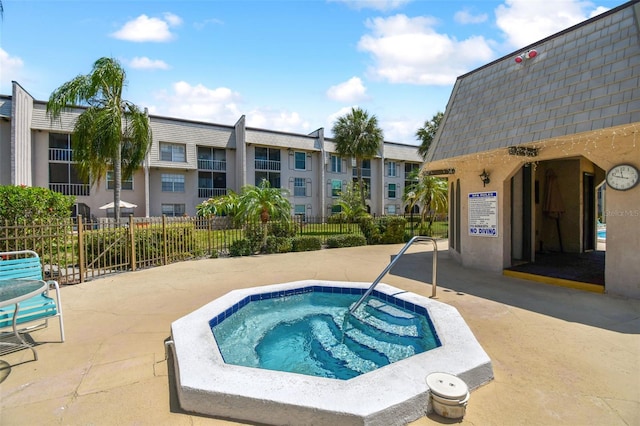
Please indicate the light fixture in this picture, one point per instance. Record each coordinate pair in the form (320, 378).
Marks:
(529, 54)
(484, 176)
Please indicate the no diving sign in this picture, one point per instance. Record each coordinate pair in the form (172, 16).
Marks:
(483, 214)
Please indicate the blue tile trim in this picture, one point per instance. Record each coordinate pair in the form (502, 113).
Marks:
(322, 289)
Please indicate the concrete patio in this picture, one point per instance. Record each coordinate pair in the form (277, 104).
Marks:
(560, 356)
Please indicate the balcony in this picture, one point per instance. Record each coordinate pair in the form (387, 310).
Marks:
(365, 172)
(211, 192)
(76, 189)
(217, 165)
(60, 154)
(267, 165)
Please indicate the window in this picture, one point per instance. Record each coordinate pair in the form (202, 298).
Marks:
(392, 169)
(267, 159)
(336, 187)
(300, 210)
(299, 187)
(366, 168)
(336, 164)
(300, 161)
(212, 159)
(409, 168)
(172, 182)
(336, 208)
(391, 209)
(173, 210)
(211, 184)
(60, 147)
(127, 184)
(272, 177)
(367, 186)
(172, 152)
(63, 172)
(391, 192)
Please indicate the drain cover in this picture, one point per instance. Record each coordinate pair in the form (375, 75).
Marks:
(447, 386)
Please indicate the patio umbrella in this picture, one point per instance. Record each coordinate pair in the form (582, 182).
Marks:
(553, 204)
(123, 205)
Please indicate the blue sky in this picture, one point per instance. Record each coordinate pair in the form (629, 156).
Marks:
(291, 66)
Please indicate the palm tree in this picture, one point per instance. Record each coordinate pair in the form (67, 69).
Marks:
(410, 196)
(222, 205)
(357, 135)
(350, 203)
(426, 133)
(264, 202)
(254, 203)
(112, 133)
(432, 193)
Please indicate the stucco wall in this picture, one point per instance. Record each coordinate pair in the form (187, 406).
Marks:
(622, 271)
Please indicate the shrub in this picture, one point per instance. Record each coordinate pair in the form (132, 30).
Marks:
(43, 217)
(278, 244)
(338, 218)
(285, 229)
(392, 229)
(346, 240)
(27, 204)
(369, 229)
(254, 233)
(241, 247)
(306, 243)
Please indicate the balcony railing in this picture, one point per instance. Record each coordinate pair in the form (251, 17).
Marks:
(77, 189)
(365, 172)
(218, 165)
(60, 154)
(267, 165)
(211, 192)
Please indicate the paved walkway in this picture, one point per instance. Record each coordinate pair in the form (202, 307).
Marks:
(560, 356)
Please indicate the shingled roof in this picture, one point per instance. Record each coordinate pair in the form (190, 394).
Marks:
(582, 79)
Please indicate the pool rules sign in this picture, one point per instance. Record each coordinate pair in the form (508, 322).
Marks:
(483, 214)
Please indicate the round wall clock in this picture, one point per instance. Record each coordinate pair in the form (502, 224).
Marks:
(622, 177)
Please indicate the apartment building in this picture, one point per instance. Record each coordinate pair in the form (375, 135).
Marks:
(191, 161)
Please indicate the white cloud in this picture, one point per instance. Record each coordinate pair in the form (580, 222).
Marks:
(144, 28)
(597, 11)
(400, 130)
(148, 64)
(10, 68)
(223, 106)
(202, 24)
(172, 19)
(350, 91)
(409, 50)
(466, 17)
(381, 5)
(199, 103)
(283, 121)
(524, 21)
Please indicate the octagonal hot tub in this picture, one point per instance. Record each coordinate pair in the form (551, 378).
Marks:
(395, 393)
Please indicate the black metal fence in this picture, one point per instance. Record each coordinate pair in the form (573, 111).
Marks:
(76, 250)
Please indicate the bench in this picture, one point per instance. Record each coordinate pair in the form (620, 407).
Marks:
(25, 264)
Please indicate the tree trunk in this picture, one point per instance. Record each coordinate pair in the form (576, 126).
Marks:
(359, 165)
(117, 184)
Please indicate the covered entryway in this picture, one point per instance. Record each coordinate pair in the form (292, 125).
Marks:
(553, 230)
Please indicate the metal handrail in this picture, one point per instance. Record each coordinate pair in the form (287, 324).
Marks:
(417, 238)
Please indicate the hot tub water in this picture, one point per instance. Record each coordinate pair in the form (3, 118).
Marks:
(312, 334)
